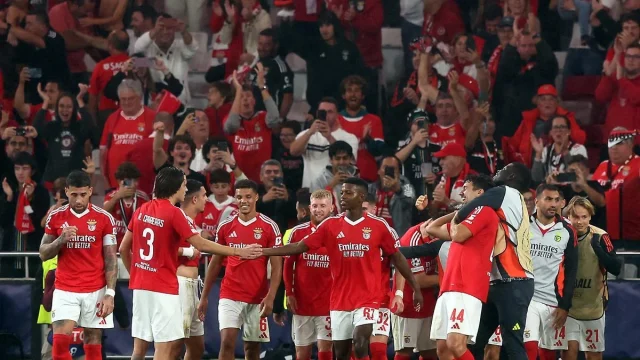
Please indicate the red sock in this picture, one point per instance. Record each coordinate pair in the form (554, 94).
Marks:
(531, 347)
(466, 356)
(546, 354)
(60, 350)
(401, 357)
(92, 351)
(378, 351)
(325, 355)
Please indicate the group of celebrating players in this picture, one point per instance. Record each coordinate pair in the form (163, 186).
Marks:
(531, 285)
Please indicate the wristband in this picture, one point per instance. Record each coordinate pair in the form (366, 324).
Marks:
(400, 293)
(110, 292)
(188, 252)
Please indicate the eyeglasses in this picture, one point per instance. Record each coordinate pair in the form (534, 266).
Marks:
(559, 127)
(633, 57)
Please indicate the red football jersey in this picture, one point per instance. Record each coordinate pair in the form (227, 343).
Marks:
(124, 210)
(427, 265)
(210, 218)
(616, 176)
(246, 280)
(469, 263)
(252, 145)
(80, 261)
(366, 162)
(354, 253)
(121, 134)
(311, 276)
(158, 228)
(441, 135)
(102, 73)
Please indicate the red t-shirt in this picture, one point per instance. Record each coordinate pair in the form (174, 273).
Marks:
(33, 110)
(355, 125)
(311, 276)
(61, 20)
(120, 135)
(469, 263)
(80, 261)
(611, 53)
(158, 228)
(252, 145)
(354, 253)
(124, 210)
(441, 135)
(246, 280)
(142, 156)
(445, 24)
(428, 265)
(102, 73)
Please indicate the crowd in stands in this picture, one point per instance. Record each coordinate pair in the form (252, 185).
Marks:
(481, 87)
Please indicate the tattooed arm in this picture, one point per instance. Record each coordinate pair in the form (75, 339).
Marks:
(111, 265)
(50, 245)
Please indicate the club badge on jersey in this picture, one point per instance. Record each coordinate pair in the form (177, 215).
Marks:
(366, 233)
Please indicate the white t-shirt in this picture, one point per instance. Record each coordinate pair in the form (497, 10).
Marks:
(198, 164)
(316, 155)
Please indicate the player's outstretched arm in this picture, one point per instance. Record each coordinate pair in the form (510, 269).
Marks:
(401, 265)
(290, 249)
(50, 245)
(250, 252)
(125, 250)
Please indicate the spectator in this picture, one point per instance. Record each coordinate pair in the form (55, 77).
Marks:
(251, 130)
(369, 204)
(218, 107)
(581, 59)
(18, 139)
(305, 18)
(226, 26)
(219, 157)
(416, 153)
(620, 90)
(462, 50)
(197, 127)
(394, 195)
(254, 20)
(220, 206)
(59, 197)
(46, 50)
(623, 166)
(313, 144)
(124, 129)
(64, 18)
(110, 16)
(142, 73)
(139, 154)
(12, 144)
(553, 158)
(412, 12)
(487, 29)
(505, 34)
(448, 192)
(442, 20)
(100, 106)
(188, 11)
(583, 186)
(70, 137)
(21, 228)
(534, 123)
(485, 155)
(626, 36)
(180, 153)
(279, 76)
(527, 63)
(143, 19)
(329, 59)
(530, 200)
(367, 127)
(123, 201)
(340, 169)
(161, 43)
(27, 111)
(276, 201)
(292, 165)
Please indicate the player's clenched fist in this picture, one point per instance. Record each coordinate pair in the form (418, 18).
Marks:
(105, 307)
(202, 307)
(250, 252)
(68, 233)
(422, 202)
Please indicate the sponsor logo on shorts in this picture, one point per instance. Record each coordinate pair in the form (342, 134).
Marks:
(592, 347)
(455, 327)
(407, 339)
(516, 327)
(558, 343)
(527, 334)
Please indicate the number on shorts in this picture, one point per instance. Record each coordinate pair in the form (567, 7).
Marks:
(560, 333)
(328, 324)
(150, 236)
(458, 317)
(263, 324)
(590, 334)
(383, 321)
(368, 313)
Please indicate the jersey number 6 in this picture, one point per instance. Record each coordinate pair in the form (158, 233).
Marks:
(150, 236)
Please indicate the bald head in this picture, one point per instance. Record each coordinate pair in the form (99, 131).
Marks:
(118, 41)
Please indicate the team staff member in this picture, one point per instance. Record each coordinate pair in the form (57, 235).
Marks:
(512, 282)
(555, 262)
(586, 321)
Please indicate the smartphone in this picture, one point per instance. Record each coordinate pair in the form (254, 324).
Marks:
(471, 43)
(421, 124)
(322, 115)
(426, 168)
(278, 182)
(20, 131)
(142, 62)
(128, 182)
(389, 171)
(35, 73)
(222, 146)
(567, 177)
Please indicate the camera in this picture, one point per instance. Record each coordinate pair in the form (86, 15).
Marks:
(279, 182)
(20, 131)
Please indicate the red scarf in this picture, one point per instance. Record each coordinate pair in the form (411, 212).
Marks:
(459, 180)
(23, 222)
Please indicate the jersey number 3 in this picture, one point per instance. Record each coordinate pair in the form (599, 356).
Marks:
(150, 236)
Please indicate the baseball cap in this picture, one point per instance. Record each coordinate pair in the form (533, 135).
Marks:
(451, 149)
(417, 114)
(506, 21)
(619, 135)
(547, 89)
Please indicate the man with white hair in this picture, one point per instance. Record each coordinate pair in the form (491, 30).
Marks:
(124, 129)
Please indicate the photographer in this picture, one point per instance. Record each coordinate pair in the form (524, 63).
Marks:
(341, 168)
(576, 181)
(275, 201)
